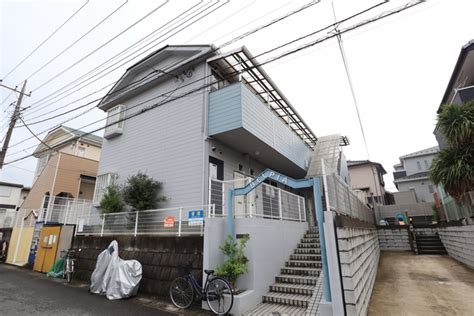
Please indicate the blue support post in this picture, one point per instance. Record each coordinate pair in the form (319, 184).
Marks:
(318, 207)
(230, 212)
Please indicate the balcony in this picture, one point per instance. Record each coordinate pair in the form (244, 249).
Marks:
(242, 120)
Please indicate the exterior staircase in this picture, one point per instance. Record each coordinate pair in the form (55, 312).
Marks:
(294, 286)
(429, 245)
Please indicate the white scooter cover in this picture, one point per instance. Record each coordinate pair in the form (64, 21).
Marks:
(114, 277)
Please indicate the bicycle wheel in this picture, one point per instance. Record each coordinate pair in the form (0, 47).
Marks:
(69, 277)
(220, 297)
(181, 293)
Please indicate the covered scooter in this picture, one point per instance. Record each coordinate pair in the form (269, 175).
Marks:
(114, 277)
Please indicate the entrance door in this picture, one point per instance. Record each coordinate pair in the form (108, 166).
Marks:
(47, 247)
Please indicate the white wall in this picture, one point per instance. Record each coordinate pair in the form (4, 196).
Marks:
(270, 245)
(411, 166)
(10, 195)
(421, 188)
(459, 243)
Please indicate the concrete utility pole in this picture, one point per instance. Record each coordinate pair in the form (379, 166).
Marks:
(13, 119)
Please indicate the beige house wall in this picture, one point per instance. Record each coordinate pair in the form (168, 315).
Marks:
(64, 172)
(365, 176)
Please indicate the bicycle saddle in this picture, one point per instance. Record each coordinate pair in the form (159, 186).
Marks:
(209, 271)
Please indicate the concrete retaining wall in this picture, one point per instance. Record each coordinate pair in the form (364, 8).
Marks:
(159, 257)
(393, 238)
(459, 242)
(359, 254)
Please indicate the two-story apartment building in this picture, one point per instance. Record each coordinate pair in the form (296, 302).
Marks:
(12, 196)
(187, 114)
(412, 174)
(67, 171)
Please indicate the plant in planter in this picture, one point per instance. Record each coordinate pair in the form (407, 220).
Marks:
(236, 262)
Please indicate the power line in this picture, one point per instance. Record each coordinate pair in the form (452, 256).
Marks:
(287, 53)
(170, 22)
(44, 41)
(32, 133)
(306, 6)
(349, 79)
(79, 39)
(103, 45)
(261, 54)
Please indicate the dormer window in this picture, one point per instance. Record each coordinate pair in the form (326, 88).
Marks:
(114, 125)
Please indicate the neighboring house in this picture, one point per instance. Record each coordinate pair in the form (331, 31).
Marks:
(367, 176)
(412, 174)
(205, 119)
(11, 197)
(67, 167)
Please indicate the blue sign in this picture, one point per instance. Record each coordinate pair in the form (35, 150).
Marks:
(196, 217)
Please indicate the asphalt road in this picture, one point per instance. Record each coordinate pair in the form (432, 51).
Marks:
(24, 292)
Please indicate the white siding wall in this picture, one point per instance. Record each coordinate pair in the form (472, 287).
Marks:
(421, 188)
(411, 165)
(166, 142)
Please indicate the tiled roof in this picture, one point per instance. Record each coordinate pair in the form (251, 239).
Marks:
(352, 163)
(423, 152)
(89, 137)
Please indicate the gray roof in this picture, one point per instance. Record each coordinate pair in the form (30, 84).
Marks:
(423, 152)
(353, 163)
(89, 137)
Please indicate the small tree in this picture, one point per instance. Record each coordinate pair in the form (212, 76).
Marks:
(112, 201)
(142, 192)
(236, 263)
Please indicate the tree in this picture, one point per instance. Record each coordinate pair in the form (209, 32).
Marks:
(236, 263)
(142, 192)
(112, 201)
(453, 167)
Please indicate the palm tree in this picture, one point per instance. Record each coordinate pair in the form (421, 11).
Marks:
(454, 166)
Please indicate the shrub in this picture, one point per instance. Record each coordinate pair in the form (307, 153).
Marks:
(112, 201)
(141, 192)
(236, 262)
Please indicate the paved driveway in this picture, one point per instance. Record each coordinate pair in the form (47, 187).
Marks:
(24, 292)
(408, 284)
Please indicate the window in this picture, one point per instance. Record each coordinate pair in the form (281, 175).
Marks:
(81, 151)
(418, 164)
(430, 188)
(114, 124)
(41, 164)
(101, 184)
(427, 166)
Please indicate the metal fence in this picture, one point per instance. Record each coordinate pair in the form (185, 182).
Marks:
(343, 200)
(265, 201)
(64, 210)
(177, 221)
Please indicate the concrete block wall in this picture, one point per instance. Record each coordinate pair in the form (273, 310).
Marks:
(459, 242)
(393, 238)
(359, 254)
(159, 256)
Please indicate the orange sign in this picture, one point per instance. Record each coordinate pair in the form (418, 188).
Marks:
(169, 221)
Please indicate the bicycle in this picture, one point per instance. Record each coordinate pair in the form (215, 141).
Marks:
(216, 291)
(69, 265)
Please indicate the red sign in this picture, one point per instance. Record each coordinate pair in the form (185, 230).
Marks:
(169, 221)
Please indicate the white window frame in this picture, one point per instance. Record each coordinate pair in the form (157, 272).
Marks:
(101, 183)
(114, 123)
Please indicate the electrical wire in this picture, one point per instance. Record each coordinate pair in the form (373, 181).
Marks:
(78, 40)
(280, 46)
(47, 38)
(383, 15)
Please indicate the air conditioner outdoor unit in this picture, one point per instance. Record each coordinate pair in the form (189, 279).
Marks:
(114, 125)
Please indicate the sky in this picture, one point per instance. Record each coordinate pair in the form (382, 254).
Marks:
(400, 66)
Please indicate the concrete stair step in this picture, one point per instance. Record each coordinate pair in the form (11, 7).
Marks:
(310, 240)
(311, 236)
(287, 299)
(303, 264)
(302, 289)
(303, 257)
(296, 279)
(308, 251)
(301, 271)
(308, 245)
(432, 252)
(272, 309)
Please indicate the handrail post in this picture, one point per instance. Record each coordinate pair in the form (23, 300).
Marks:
(299, 210)
(103, 222)
(279, 205)
(68, 204)
(136, 224)
(179, 223)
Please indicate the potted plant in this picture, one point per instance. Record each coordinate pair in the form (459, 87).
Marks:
(236, 262)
